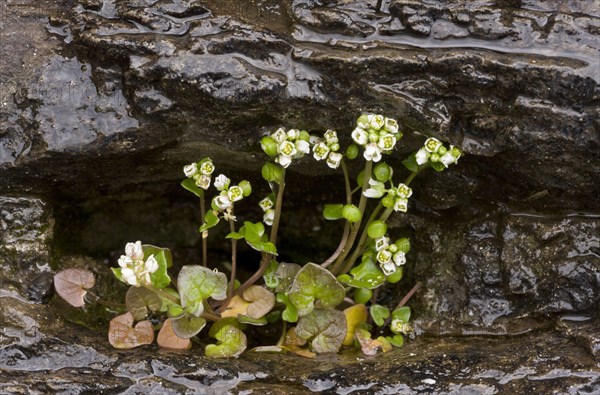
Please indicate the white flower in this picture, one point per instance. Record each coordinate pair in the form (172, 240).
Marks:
(279, 135)
(382, 243)
(284, 160)
(422, 156)
(399, 258)
(293, 134)
(331, 137)
(134, 250)
(207, 168)
(401, 205)
(266, 204)
(388, 268)
(447, 159)
(377, 189)
(391, 125)
(372, 152)
(320, 151)
(129, 276)
(404, 191)
(334, 159)
(302, 147)
(377, 122)
(364, 121)
(432, 144)
(313, 139)
(386, 142)
(222, 201)
(360, 136)
(190, 170)
(202, 180)
(125, 261)
(151, 264)
(268, 217)
(235, 193)
(287, 148)
(222, 182)
(398, 326)
(384, 256)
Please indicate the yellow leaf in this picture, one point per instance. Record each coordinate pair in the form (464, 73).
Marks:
(354, 316)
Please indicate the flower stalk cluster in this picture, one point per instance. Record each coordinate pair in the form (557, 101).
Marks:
(434, 151)
(327, 149)
(200, 172)
(134, 270)
(377, 134)
(285, 146)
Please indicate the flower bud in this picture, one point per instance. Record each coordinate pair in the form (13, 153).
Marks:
(382, 172)
(362, 295)
(352, 152)
(304, 136)
(246, 187)
(388, 201)
(351, 213)
(376, 229)
(269, 146)
(190, 170)
(271, 172)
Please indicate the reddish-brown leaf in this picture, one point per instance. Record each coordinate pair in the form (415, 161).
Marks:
(72, 285)
(122, 334)
(167, 338)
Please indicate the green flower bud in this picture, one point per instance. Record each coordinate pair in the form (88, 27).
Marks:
(335, 147)
(351, 213)
(352, 152)
(434, 158)
(376, 229)
(442, 150)
(360, 177)
(269, 146)
(393, 248)
(383, 172)
(388, 201)
(373, 137)
(362, 295)
(246, 187)
(403, 245)
(395, 277)
(304, 135)
(271, 172)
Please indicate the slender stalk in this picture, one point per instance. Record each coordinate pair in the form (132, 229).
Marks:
(281, 340)
(404, 300)
(346, 233)
(355, 226)
(204, 239)
(278, 204)
(233, 258)
(163, 294)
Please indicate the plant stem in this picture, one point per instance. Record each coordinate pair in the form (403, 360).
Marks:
(163, 294)
(278, 204)
(404, 300)
(233, 258)
(355, 226)
(204, 239)
(346, 233)
(281, 340)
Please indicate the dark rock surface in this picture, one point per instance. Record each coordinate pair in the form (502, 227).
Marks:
(102, 102)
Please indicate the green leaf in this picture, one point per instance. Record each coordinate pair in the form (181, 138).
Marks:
(244, 319)
(140, 301)
(160, 278)
(362, 295)
(197, 283)
(175, 311)
(187, 325)
(366, 275)
(411, 162)
(315, 287)
(396, 340)
(117, 272)
(270, 277)
(290, 314)
(210, 220)
(402, 314)
(267, 247)
(333, 212)
(235, 236)
(326, 327)
(271, 172)
(379, 314)
(286, 272)
(191, 186)
(231, 341)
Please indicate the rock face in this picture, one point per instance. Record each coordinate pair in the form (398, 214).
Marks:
(102, 102)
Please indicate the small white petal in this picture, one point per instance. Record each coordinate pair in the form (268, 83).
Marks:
(129, 276)
(320, 151)
(388, 268)
(302, 146)
(422, 156)
(268, 217)
(447, 159)
(266, 204)
(401, 205)
(360, 136)
(399, 258)
(202, 181)
(372, 152)
(404, 191)
(284, 160)
(334, 159)
(190, 170)
(222, 202)
(432, 144)
(125, 261)
(293, 134)
(384, 256)
(381, 243)
(279, 135)
(373, 193)
(151, 264)
(235, 193)
(221, 182)
(287, 148)
(331, 137)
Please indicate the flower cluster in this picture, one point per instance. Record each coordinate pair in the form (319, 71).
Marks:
(134, 270)
(397, 197)
(285, 146)
(434, 151)
(229, 194)
(389, 256)
(327, 149)
(377, 134)
(267, 205)
(200, 172)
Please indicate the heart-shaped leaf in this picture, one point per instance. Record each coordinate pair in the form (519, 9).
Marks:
(187, 326)
(236, 306)
(371, 346)
(379, 314)
(198, 283)
(326, 327)
(160, 279)
(355, 315)
(72, 285)
(286, 272)
(396, 341)
(290, 314)
(211, 219)
(231, 341)
(294, 344)
(270, 277)
(123, 335)
(411, 162)
(333, 212)
(167, 338)
(366, 275)
(140, 301)
(315, 287)
(262, 301)
(191, 186)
